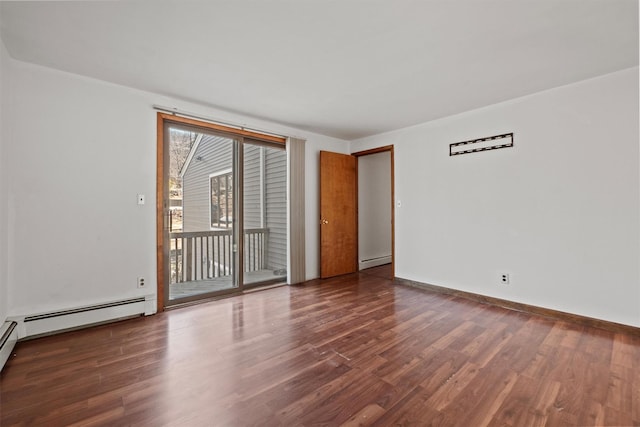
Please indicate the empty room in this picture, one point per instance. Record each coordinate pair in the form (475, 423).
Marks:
(337, 213)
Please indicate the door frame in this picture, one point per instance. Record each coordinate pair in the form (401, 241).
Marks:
(386, 148)
(162, 205)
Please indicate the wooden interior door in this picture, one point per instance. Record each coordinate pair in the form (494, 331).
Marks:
(338, 214)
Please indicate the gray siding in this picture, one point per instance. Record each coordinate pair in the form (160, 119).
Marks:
(276, 207)
(252, 187)
(217, 156)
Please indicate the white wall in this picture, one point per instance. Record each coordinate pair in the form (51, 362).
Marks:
(81, 150)
(559, 212)
(374, 209)
(4, 97)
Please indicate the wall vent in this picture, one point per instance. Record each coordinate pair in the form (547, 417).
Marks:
(481, 144)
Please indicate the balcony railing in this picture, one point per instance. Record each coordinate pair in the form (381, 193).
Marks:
(205, 255)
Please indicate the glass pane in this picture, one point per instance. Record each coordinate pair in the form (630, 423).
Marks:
(201, 257)
(265, 214)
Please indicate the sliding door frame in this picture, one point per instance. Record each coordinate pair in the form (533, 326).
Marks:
(162, 204)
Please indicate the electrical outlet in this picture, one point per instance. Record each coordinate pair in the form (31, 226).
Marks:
(504, 278)
(141, 282)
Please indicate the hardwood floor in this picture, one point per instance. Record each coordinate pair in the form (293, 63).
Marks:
(353, 350)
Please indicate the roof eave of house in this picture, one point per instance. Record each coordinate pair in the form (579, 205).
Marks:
(194, 148)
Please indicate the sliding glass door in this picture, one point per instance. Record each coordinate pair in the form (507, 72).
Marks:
(224, 225)
(201, 260)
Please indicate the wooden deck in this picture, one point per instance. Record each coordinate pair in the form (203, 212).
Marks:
(187, 289)
(353, 350)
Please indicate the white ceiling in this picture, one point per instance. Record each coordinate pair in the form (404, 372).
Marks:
(341, 68)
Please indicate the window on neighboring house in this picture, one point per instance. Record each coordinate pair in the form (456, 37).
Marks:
(221, 186)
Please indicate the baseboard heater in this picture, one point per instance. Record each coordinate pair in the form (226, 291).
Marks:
(58, 321)
(8, 339)
(374, 262)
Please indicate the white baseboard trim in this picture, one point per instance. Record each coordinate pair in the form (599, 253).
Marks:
(8, 339)
(35, 325)
(368, 263)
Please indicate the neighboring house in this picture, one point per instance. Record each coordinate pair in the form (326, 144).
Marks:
(208, 191)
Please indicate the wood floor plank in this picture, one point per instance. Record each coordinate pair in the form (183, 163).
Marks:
(365, 417)
(484, 411)
(353, 350)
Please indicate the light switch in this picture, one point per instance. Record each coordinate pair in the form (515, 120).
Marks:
(141, 199)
